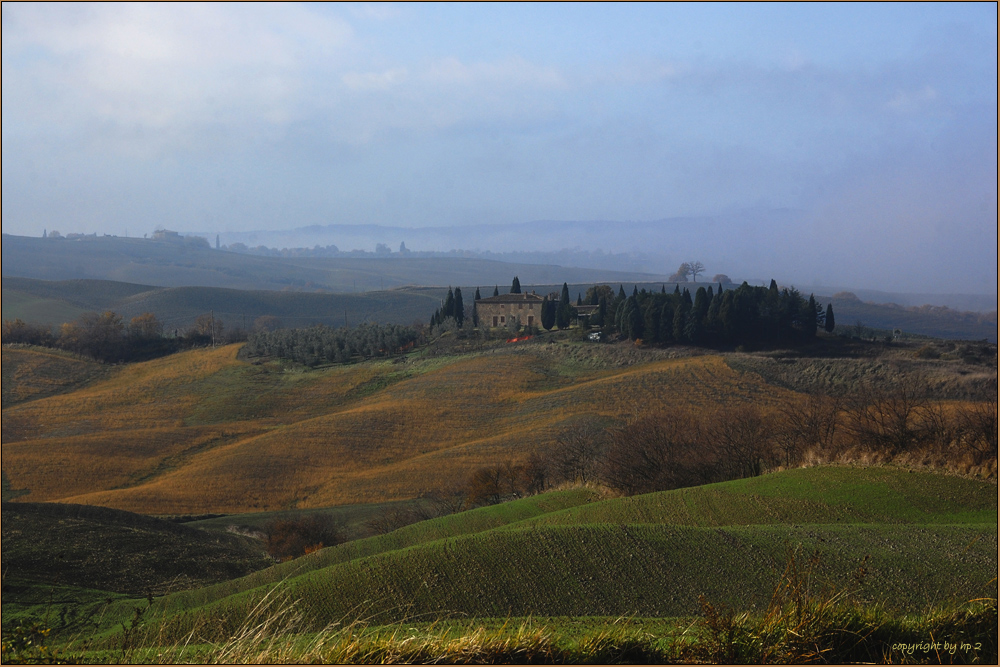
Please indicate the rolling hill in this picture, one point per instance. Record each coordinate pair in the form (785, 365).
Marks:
(202, 431)
(567, 553)
(54, 302)
(96, 548)
(167, 264)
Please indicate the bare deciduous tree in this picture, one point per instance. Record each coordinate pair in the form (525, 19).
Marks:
(655, 453)
(888, 416)
(577, 451)
(744, 436)
(810, 422)
(977, 428)
(695, 269)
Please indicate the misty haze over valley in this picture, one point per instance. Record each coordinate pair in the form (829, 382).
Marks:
(825, 145)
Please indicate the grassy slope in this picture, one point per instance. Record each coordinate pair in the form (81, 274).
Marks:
(828, 495)
(203, 432)
(923, 539)
(38, 310)
(940, 323)
(55, 302)
(154, 263)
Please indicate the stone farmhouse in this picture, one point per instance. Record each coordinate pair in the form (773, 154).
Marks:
(496, 311)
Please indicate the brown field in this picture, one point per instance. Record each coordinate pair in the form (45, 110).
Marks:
(34, 373)
(202, 431)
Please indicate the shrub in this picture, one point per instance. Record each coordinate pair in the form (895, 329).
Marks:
(286, 539)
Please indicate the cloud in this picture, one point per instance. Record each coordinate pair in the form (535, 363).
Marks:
(156, 66)
(909, 101)
(513, 72)
(375, 80)
(375, 11)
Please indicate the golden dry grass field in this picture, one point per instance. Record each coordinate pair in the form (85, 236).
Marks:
(202, 431)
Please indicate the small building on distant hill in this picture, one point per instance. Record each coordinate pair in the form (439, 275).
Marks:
(166, 235)
(497, 311)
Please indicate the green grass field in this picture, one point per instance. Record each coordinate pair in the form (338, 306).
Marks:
(923, 540)
(896, 542)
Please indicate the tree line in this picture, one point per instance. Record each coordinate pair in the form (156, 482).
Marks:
(106, 337)
(321, 344)
(747, 315)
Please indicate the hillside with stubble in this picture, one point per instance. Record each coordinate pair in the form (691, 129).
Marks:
(207, 431)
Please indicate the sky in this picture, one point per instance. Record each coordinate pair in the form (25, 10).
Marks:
(875, 123)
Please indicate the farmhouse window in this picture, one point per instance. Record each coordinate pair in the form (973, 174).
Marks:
(502, 320)
(494, 320)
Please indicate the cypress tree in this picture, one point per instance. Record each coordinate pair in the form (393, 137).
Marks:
(651, 320)
(602, 310)
(548, 314)
(692, 328)
(631, 326)
(667, 322)
(621, 292)
(496, 291)
(830, 324)
(477, 297)
(635, 290)
(677, 290)
(515, 287)
(811, 317)
(680, 319)
(449, 305)
(619, 312)
(713, 326)
(579, 299)
(459, 307)
(563, 315)
(564, 297)
(701, 302)
(663, 289)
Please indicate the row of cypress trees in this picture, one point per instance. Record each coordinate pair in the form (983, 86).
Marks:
(453, 307)
(753, 315)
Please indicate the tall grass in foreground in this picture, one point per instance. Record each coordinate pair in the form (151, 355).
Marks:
(806, 621)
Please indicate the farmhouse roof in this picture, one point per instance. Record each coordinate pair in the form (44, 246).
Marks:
(529, 297)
